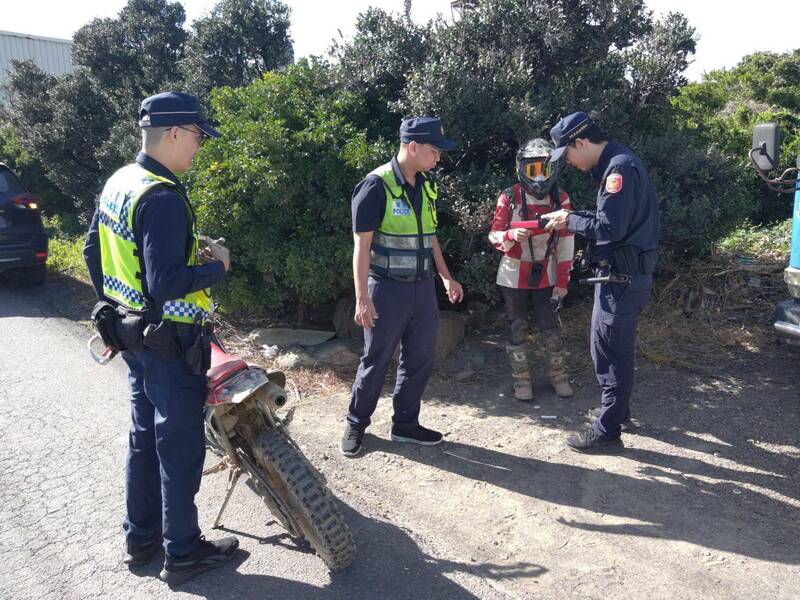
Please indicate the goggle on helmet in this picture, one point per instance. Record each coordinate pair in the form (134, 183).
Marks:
(534, 171)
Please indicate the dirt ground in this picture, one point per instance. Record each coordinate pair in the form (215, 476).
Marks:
(703, 502)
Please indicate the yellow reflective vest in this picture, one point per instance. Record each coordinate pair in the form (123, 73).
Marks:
(402, 248)
(122, 276)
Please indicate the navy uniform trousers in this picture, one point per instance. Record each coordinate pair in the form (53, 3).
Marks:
(407, 314)
(615, 316)
(166, 450)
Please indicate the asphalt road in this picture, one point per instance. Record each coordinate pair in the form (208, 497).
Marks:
(63, 437)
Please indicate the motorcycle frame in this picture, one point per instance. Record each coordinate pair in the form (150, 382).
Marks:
(237, 469)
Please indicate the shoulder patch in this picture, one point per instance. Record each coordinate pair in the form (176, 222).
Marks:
(614, 183)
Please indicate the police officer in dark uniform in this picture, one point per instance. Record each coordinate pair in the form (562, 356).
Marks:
(623, 235)
(144, 258)
(396, 255)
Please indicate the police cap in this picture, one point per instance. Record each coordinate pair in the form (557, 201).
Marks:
(425, 130)
(174, 108)
(567, 130)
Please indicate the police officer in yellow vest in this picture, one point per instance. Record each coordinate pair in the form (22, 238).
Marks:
(395, 259)
(144, 256)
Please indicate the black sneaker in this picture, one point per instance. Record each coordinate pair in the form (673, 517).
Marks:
(591, 440)
(418, 435)
(352, 440)
(138, 553)
(207, 555)
(626, 425)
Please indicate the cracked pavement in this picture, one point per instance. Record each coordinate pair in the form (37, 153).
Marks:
(63, 435)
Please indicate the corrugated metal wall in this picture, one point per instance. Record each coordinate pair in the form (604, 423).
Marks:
(49, 54)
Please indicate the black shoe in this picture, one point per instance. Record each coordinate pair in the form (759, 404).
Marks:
(418, 435)
(352, 440)
(138, 553)
(626, 425)
(207, 555)
(591, 440)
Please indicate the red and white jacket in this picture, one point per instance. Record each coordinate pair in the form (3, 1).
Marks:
(516, 262)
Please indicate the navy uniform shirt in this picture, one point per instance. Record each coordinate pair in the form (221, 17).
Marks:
(627, 207)
(369, 199)
(161, 229)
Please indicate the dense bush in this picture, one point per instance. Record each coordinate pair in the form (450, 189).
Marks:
(723, 109)
(31, 171)
(497, 77)
(277, 186)
(377, 63)
(504, 73)
(81, 127)
(773, 241)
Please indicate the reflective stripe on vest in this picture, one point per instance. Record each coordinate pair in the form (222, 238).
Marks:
(403, 245)
(122, 279)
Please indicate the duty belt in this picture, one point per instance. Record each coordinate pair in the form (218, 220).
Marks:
(609, 277)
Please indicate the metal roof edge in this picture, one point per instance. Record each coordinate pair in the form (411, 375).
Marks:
(35, 37)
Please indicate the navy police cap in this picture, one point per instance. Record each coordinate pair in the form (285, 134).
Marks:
(425, 130)
(567, 130)
(174, 108)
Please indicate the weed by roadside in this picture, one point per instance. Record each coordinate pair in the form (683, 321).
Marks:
(65, 248)
(771, 241)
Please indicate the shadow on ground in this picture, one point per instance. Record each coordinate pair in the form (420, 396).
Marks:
(388, 562)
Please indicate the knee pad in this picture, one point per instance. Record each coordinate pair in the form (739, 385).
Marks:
(553, 342)
(518, 359)
(519, 331)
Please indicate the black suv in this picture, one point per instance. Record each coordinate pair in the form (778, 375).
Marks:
(23, 242)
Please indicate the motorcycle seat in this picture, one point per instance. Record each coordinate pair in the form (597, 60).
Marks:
(223, 366)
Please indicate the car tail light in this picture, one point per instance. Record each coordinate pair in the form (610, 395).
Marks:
(28, 201)
(41, 255)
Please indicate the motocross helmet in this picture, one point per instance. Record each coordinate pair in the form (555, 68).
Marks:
(534, 171)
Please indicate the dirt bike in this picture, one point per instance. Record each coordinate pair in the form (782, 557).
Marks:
(242, 426)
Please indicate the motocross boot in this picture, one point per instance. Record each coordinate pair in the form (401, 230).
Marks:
(556, 366)
(519, 371)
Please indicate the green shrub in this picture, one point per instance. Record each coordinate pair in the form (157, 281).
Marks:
(466, 208)
(65, 246)
(772, 241)
(66, 256)
(30, 171)
(722, 110)
(277, 185)
(702, 194)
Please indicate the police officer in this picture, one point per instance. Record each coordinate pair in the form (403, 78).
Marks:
(623, 235)
(143, 255)
(395, 257)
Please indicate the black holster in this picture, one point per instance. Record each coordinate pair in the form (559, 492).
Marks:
(647, 262)
(105, 317)
(130, 328)
(196, 349)
(161, 338)
(190, 342)
(629, 260)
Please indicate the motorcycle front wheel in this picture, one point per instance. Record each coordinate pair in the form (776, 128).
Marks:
(312, 508)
